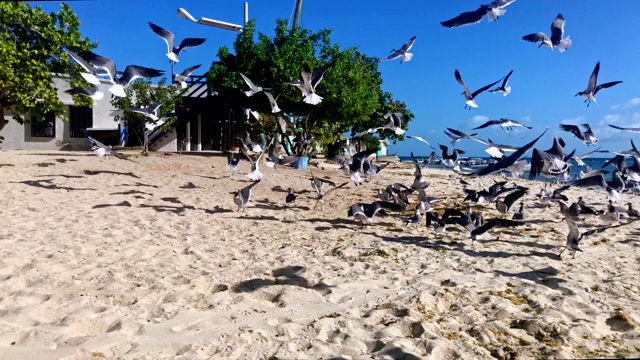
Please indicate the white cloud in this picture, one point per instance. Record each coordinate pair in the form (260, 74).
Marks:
(479, 119)
(526, 119)
(574, 121)
(604, 132)
(633, 102)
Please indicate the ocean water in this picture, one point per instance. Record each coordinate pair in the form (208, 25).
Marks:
(595, 163)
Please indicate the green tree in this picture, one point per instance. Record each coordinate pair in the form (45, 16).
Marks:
(30, 42)
(351, 88)
(141, 93)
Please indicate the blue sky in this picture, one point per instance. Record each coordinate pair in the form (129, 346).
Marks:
(544, 82)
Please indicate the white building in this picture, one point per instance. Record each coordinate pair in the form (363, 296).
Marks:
(45, 135)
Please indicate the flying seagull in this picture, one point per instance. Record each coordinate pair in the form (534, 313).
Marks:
(395, 122)
(92, 91)
(249, 144)
(242, 196)
(574, 237)
(478, 232)
(103, 151)
(633, 130)
(493, 11)
(402, 52)
(274, 106)
(91, 71)
(557, 32)
(504, 88)
(468, 95)
(364, 213)
(321, 196)
(505, 124)
(182, 77)
(233, 159)
(131, 72)
(355, 168)
(253, 88)
(310, 81)
(147, 111)
(169, 38)
(578, 159)
(457, 135)
(552, 163)
(588, 137)
(503, 206)
(592, 87)
(255, 173)
(611, 188)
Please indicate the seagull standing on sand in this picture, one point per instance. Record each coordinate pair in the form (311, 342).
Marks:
(182, 77)
(504, 88)
(242, 196)
(403, 52)
(170, 39)
(468, 95)
(310, 81)
(557, 33)
(291, 197)
(233, 159)
(592, 87)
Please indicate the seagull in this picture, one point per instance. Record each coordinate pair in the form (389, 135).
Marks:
(592, 87)
(355, 168)
(182, 77)
(273, 160)
(598, 182)
(574, 237)
(318, 183)
(233, 159)
(274, 106)
(103, 151)
(612, 214)
(255, 173)
(506, 161)
(557, 32)
(321, 196)
(419, 182)
(504, 88)
(452, 160)
(632, 212)
(395, 122)
(371, 169)
(468, 95)
(552, 162)
(505, 124)
(588, 137)
(420, 139)
(291, 197)
(248, 144)
(147, 111)
(586, 209)
(578, 159)
(503, 206)
(310, 81)
(477, 233)
(253, 88)
(590, 172)
(402, 52)
(633, 130)
(519, 215)
(92, 91)
(169, 38)
(364, 213)
(495, 150)
(91, 71)
(493, 11)
(457, 135)
(131, 72)
(242, 196)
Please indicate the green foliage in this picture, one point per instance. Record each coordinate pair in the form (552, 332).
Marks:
(141, 93)
(387, 105)
(30, 42)
(351, 88)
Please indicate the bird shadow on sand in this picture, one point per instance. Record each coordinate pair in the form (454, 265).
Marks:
(123, 203)
(139, 184)
(543, 277)
(164, 208)
(189, 185)
(58, 155)
(62, 175)
(131, 192)
(217, 210)
(62, 161)
(48, 184)
(260, 218)
(337, 221)
(270, 205)
(288, 275)
(538, 221)
(208, 177)
(280, 189)
(96, 172)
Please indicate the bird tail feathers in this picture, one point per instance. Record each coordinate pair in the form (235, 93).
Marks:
(406, 57)
(117, 90)
(313, 99)
(495, 13)
(507, 91)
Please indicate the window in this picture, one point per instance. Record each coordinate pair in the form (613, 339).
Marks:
(80, 118)
(45, 127)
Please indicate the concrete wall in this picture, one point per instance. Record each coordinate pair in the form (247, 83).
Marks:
(169, 142)
(18, 136)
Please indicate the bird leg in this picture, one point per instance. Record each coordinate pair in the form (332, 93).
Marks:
(561, 251)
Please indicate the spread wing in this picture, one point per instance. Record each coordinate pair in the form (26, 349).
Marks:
(536, 37)
(459, 80)
(466, 18)
(166, 35)
(133, 72)
(190, 43)
(407, 46)
(557, 30)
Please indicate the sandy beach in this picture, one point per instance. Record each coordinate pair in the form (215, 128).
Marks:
(148, 259)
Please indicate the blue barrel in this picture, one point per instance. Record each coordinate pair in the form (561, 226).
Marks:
(302, 163)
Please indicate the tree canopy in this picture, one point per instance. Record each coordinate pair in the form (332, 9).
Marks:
(141, 93)
(351, 88)
(30, 42)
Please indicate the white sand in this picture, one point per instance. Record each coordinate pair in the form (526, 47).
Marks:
(134, 264)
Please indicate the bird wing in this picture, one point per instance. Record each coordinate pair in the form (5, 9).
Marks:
(506, 78)
(514, 196)
(318, 74)
(407, 46)
(418, 171)
(574, 129)
(81, 90)
(557, 193)
(246, 191)
(509, 160)
(618, 161)
(100, 62)
(489, 224)
(249, 82)
(418, 138)
(383, 205)
(356, 160)
(98, 143)
(445, 151)
(557, 30)
(190, 43)
(601, 229)
(605, 85)
(272, 101)
(394, 55)
(335, 188)
(487, 124)
(133, 72)
(465, 18)
(166, 35)
(596, 181)
(467, 92)
(593, 79)
(458, 133)
(79, 60)
(635, 130)
(484, 88)
(589, 153)
(188, 71)
(536, 37)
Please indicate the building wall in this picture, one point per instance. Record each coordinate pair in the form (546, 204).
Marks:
(169, 142)
(17, 136)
